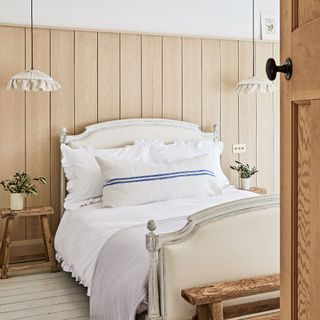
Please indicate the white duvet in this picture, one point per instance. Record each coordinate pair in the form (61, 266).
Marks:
(83, 232)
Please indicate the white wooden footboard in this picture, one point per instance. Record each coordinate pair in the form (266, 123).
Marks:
(236, 240)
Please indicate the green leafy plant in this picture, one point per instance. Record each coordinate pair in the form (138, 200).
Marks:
(22, 182)
(244, 170)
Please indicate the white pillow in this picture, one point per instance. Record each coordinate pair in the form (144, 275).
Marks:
(83, 173)
(162, 153)
(129, 183)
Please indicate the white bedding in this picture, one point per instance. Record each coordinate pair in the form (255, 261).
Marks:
(83, 232)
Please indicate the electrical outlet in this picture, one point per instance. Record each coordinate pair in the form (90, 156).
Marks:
(239, 148)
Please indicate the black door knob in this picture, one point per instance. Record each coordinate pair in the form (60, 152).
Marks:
(272, 69)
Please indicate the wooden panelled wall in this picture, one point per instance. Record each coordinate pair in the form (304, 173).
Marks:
(108, 76)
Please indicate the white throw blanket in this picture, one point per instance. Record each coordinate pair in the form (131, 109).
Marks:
(121, 274)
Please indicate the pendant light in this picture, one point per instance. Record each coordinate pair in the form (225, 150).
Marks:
(32, 80)
(254, 83)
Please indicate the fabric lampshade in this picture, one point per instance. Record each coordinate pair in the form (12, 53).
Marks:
(254, 84)
(33, 80)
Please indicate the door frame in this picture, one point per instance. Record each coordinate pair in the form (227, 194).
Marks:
(287, 167)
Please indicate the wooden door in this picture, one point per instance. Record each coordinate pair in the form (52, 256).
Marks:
(300, 161)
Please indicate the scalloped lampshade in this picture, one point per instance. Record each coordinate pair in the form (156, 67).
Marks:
(33, 80)
(254, 84)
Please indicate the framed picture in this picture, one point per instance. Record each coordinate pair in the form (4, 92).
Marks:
(269, 26)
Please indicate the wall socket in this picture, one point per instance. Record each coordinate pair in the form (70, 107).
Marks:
(239, 148)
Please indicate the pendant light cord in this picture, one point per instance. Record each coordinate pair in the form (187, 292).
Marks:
(253, 43)
(31, 34)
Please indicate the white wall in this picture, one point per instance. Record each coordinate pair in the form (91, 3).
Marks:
(213, 18)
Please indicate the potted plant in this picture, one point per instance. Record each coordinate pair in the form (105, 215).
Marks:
(245, 173)
(20, 186)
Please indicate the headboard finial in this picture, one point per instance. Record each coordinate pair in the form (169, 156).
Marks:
(63, 134)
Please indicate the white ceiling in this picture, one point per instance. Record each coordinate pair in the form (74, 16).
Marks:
(214, 18)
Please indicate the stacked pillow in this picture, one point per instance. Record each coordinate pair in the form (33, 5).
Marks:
(161, 153)
(144, 172)
(84, 180)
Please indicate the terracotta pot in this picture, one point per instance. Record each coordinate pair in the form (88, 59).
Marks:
(245, 184)
(16, 201)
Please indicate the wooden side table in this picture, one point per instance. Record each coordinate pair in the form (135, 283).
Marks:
(258, 190)
(10, 215)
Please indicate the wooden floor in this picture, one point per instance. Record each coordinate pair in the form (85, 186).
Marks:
(43, 296)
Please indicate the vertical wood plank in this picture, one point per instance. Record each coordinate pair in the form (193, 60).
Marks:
(108, 76)
(130, 76)
(12, 115)
(172, 78)
(38, 128)
(210, 84)
(229, 105)
(276, 125)
(247, 110)
(62, 108)
(85, 79)
(306, 213)
(151, 76)
(315, 209)
(192, 103)
(264, 124)
(304, 255)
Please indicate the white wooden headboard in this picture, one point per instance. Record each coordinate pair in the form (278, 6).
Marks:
(118, 133)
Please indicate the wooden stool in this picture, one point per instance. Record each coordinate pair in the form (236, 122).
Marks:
(209, 299)
(10, 215)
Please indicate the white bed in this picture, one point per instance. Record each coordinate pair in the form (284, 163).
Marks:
(204, 224)
(79, 253)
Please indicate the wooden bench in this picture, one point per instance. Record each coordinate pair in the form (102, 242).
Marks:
(209, 299)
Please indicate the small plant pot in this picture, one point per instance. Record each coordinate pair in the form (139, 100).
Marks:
(16, 201)
(245, 184)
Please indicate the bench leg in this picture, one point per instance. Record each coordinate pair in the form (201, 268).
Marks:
(48, 243)
(202, 312)
(216, 311)
(5, 249)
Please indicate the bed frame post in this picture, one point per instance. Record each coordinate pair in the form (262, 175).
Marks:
(63, 135)
(216, 133)
(152, 245)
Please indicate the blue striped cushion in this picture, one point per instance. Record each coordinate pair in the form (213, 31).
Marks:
(181, 179)
(162, 176)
